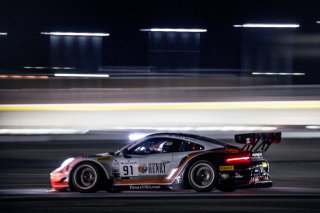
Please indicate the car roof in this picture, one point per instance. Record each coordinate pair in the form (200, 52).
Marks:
(202, 140)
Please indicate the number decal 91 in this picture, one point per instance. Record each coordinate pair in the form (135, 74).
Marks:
(128, 170)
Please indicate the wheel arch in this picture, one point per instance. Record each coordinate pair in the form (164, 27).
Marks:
(213, 158)
(98, 164)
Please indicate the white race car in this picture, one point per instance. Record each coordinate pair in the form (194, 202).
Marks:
(171, 160)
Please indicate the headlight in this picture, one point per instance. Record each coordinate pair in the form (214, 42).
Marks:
(66, 162)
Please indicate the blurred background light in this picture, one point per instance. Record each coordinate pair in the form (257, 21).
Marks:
(62, 68)
(277, 73)
(312, 127)
(137, 136)
(75, 34)
(54, 68)
(169, 106)
(41, 131)
(81, 75)
(200, 128)
(3, 34)
(182, 30)
(25, 76)
(256, 25)
(36, 68)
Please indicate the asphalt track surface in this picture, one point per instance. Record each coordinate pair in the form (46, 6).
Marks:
(25, 168)
(275, 200)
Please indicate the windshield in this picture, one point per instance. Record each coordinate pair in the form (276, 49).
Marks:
(125, 147)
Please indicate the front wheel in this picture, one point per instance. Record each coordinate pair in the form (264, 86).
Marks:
(202, 176)
(86, 177)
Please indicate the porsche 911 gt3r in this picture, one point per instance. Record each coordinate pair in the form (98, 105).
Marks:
(169, 161)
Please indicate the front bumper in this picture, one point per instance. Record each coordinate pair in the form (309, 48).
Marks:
(59, 180)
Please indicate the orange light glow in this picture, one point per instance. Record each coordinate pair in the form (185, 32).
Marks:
(25, 76)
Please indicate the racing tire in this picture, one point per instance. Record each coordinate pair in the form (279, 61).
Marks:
(86, 177)
(202, 176)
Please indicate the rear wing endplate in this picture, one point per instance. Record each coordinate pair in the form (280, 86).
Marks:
(261, 141)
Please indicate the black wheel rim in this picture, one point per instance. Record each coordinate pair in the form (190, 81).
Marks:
(85, 177)
(202, 175)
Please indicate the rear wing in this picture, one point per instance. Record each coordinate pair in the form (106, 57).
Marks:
(261, 141)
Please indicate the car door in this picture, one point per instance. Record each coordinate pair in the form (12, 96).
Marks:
(145, 162)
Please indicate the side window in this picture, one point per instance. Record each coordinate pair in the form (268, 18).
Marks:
(189, 146)
(151, 146)
(176, 145)
(172, 145)
(164, 145)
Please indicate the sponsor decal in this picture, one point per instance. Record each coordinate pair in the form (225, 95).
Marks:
(129, 169)
(144, 187)
(128, 162)
(237, 175)
(226, 168)
(157, 168)
(104, 158)
(224, 176)
(142, 168)
(256, 154)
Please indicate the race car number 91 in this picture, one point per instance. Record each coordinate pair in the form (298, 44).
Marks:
(128, 169)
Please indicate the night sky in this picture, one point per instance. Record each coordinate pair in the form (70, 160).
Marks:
(119, 15)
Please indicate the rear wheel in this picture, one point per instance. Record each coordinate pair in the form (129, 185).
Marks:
(202, 176)
(86, 177)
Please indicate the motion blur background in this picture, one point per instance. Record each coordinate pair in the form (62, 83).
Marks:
(223, 49)
(214, 68)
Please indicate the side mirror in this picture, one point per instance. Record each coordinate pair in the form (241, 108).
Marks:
(125, 153)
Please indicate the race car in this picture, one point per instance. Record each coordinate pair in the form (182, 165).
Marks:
(171, 161)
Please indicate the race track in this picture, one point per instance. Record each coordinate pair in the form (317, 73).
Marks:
(25, 168)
